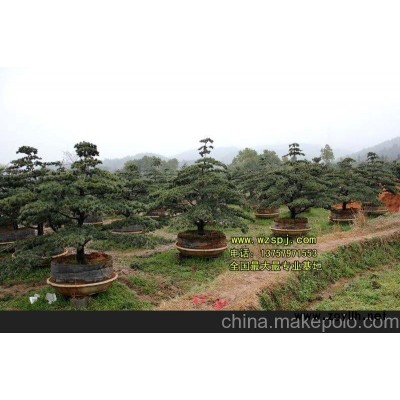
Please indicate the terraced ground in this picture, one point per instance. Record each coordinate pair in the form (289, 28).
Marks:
(159, 279)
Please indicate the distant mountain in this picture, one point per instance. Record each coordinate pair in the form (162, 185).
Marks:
(223, 154)
(388, 150)
(113, 164)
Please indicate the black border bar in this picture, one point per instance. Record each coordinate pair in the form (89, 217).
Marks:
(198, 321)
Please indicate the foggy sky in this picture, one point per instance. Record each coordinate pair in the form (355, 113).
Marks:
(242, 76)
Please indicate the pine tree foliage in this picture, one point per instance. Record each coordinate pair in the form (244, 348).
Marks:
(202, 193)
(82, 191)
(298, 184)
(21, 182)
(379, 177)
(248, 170)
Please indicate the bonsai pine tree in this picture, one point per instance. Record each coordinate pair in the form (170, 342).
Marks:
(348, 183)
(22, 180)
(294, 184)
(379, 176)
(202, 193)
(294, 152)
(80, 192)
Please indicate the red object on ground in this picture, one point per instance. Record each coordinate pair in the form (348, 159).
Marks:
(391, 201)
(219, 304)
(200, 298)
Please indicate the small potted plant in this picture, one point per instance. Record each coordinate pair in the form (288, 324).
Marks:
(263, 210)
(202, 195)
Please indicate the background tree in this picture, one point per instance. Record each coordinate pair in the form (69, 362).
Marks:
(151, 164)
(396, 170)
(134, 190)
(248, 180)
(133, 197)
(327, 155)
(246, 160)
(269, 158)
(203, 193)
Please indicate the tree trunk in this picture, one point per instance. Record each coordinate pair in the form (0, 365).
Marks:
(40, 229)
(200, 227)
(81, 220)
(344, 205)
(80, 255)
(15, 225)
(292, 213)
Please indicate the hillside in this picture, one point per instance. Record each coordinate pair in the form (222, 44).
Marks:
(390, 150)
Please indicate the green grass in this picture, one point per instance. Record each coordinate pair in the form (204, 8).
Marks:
(164, 275)
(158, 276)
(375, 290)
(143, 285)
(117, 297)
(318, 219)
(12, 273)
(182, 273)
(128, 241)
(347, 261)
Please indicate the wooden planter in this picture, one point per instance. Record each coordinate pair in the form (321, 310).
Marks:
(93, 220)
(78, 280)
(290, 227)
(8, 235)
(347, 215)
(158, 213)
(212, 244)
(129, 229)
(266, 212)
(369, 209)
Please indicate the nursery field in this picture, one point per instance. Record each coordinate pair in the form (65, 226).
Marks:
(262, 233)
(157, 277)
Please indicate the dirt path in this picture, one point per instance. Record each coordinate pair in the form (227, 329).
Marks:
(239, 290)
